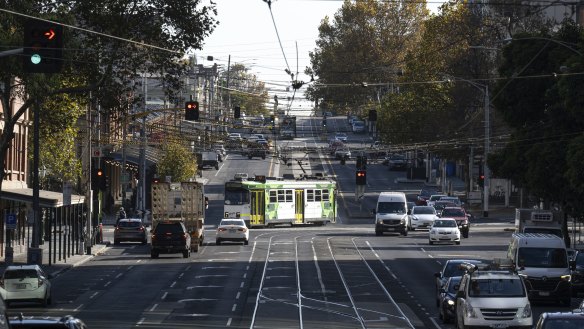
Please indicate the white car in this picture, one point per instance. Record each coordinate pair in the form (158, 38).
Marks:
(232, 229)
(433, 198)
(444, 230)
(422, 217)
(341, 136)
(25, 283)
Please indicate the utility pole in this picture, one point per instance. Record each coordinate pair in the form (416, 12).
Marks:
(486, 182)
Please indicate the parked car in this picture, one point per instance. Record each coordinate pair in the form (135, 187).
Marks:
(46, 322)
(460, 216)
(232, 229)
(444, 230)
(447, 299)
(130, 229)
(25, 283)
(342, 153)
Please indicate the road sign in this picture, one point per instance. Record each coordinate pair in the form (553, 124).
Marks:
(11, 222)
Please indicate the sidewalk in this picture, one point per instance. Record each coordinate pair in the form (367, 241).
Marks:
(60, 261)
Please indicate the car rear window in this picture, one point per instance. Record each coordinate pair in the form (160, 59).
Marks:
(231, 222)
(129, 224)
(20, 274)
(169, 228)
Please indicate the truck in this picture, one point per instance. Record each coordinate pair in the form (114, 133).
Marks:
(208, 159)
(539, 221)
(185, 202)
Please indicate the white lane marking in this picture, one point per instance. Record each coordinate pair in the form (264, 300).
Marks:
(228, 322)
(234, 307)
(173, 284)
(94, 294)
(237, 296)
(153, 307)
(78, 308)
(164, 295)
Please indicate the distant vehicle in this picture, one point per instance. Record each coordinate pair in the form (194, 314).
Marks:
(391, 213)
(563, 320)
(46, 322)
(422, 217)
(232, 229)
(341, 136)
(220, 148)
(453, 199)
(397, 162)
(424, 195)
(257, 152)
(460, 216)
(240, 176)
(451, 269)
(539, 221)
(328, 114)
(359, 126)
(433, 198)
(208, 159)
(236, 136)
(444, 230)
(25, 283)
(342, 153)
(130, 229)
(287, 134)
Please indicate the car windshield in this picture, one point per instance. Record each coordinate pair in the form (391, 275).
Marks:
(452, 213)
(543, 257)
(435, 197)
(444, 223)
(453, 285)
(571, 323)
(496, 288)
(20, 274)
(423, 210)
(391, 207)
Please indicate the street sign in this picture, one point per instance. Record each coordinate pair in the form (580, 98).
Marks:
(67, 191)
(11, 222)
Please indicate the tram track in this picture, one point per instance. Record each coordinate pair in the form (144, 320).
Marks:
(323, 282)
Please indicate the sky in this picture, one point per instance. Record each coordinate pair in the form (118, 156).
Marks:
(246, 34)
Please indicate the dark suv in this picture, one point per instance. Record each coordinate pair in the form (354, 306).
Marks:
(170, 237)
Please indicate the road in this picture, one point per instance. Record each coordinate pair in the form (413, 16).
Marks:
(337, 276)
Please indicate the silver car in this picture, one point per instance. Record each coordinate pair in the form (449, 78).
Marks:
(130, 229)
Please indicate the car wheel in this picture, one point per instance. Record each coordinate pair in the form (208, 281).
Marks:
(431, 242)
(405, 233)
(116, 242)
(153, 254)
(413, 228)
(457, 242)
(186, 253)
(378, 233)
(246, 242)
(249, 157)
(218, 242)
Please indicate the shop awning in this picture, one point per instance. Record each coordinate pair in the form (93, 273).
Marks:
(47, 199)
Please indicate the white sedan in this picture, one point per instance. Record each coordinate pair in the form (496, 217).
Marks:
(422, 217)
(232, 229)
(341, 137)
(25, 283)
(444, 230)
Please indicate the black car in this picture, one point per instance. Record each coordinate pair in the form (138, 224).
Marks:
(561, 320)
(447, 299)
(170, 237)
(578, 274)
(47, 322)
(256, 152)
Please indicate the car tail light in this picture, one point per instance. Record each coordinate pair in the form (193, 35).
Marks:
(141, 228)
(222, 229)
(242, 229)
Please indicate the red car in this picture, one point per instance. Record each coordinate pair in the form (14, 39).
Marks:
(461, 217)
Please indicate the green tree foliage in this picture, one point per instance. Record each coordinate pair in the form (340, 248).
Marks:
(178, 162)
(366, 42)
(541, 98)
(109, 49)
(244, 90)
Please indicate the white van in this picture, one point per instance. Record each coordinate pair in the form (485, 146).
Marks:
(391, 213)
(543, 261)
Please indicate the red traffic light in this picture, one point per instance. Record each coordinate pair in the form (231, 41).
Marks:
(99, 172)
(361, 177)
(192, 110)
(50, 34)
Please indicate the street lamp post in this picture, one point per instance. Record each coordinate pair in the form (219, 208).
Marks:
(486, 182)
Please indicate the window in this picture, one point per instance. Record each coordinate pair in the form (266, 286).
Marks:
(273, 197)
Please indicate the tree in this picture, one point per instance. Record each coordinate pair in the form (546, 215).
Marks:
(245, 90)
(365, 43)
(107, 63)
(178, 161)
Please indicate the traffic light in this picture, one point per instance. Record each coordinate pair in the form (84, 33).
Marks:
(42, 47)
(372, 115)
(324, 122)
(192, 110)
(105, 183)
(97, 179)
(481, 180)
(361, 163)
(361, 177)
(155, 180)
(237, 112)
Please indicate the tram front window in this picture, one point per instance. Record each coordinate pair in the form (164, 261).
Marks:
(235, 197)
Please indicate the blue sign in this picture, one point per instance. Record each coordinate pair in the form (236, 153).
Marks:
(11, 222)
